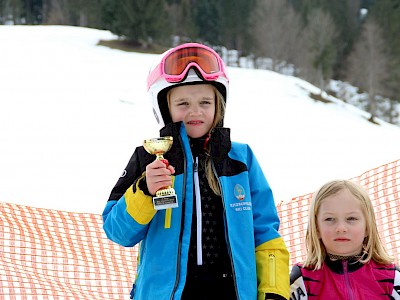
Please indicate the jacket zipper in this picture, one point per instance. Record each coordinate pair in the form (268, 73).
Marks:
(272, 269)
(347, 279)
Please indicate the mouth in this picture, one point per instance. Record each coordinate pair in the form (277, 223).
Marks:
(195, 122)
(341, 240)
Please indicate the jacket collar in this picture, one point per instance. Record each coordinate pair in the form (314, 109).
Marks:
(337, 266)
(220, 143)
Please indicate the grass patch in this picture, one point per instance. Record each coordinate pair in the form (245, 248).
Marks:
(319, 97)
(129, 46)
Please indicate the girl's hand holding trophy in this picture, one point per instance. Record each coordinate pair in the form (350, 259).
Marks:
(158, 173)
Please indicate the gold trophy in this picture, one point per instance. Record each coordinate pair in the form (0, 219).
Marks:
(165, 197)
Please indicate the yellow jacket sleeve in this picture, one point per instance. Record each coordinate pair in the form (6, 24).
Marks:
(272, 261)
(139, 205)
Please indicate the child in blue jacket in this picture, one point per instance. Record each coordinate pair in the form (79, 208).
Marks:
(222, 239)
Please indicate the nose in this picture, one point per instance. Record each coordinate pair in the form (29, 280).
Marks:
(195, 110)
(341, 227)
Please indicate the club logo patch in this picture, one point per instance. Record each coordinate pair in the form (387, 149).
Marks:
(240, 193)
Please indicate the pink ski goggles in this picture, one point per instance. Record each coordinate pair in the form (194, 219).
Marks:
(175, 65)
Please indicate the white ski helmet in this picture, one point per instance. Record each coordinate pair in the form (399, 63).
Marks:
(189, 63)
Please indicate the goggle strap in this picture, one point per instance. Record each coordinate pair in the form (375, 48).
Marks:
(154, 75)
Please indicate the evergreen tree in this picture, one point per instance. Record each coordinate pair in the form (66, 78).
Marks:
(319, 35)
(12, 12)
(370, 77)
(345, 15)
(235, 24)
(207, 18)
(86, 13)
(108, 14)
(32, 11)
(387, 15)
(140, 22)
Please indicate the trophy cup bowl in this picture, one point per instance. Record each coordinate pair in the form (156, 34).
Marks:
(165, 197)
(158, 146)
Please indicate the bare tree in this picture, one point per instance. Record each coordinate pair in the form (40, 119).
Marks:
(55, 12)
(182, 21)
(318, 59)
(276, 27)
(367, 64)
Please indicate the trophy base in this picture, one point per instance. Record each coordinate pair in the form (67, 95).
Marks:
(164, 202)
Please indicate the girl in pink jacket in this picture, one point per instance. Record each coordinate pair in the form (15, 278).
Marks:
(345, 256)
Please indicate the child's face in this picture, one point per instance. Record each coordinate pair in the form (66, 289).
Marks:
(195, 106)
(341, 224)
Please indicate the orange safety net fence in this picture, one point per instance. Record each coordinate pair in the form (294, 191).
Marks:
(50, 254)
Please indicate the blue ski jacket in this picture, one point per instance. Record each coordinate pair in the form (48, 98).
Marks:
(259, 257)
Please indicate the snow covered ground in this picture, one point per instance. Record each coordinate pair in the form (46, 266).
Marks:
(72, 113)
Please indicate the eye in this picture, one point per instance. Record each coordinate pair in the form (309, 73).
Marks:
(206, 102)
(329, 219)
(352, 218)
(183, 103)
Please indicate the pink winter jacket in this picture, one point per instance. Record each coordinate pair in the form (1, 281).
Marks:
(347, 280)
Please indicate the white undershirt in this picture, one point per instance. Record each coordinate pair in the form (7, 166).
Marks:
(198, 213)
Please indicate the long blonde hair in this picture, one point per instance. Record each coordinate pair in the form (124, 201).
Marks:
(372, 245)
(218, 119)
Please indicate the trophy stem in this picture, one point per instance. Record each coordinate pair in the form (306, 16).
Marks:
(159, 156)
